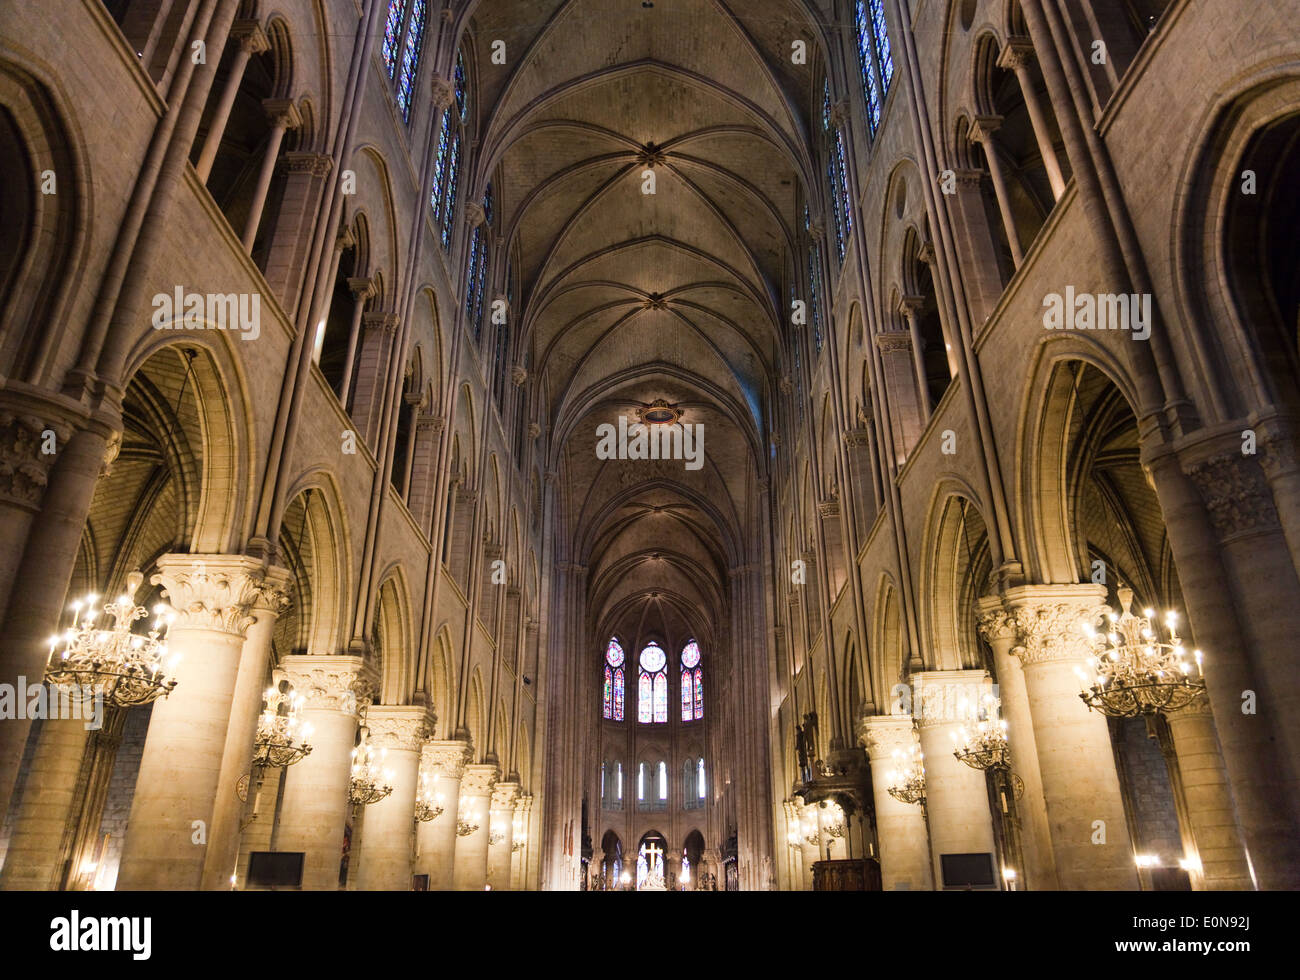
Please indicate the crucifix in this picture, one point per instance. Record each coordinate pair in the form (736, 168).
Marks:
(652, 852)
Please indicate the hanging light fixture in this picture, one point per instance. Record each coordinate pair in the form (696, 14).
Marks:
(985, 746)
(906, 782)
(428, 803)
(466, 822)
(370, 782)
(520, 836)
(97, 659)
(1137, 670)
(282, 735)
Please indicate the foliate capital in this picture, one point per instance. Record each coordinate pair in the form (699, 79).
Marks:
(402, 728)
(333, 682)
(1049, 621)
(211, 592)
(478, 780)
(884, 735)
(504, 796)
(446, 758)
(1017, 53)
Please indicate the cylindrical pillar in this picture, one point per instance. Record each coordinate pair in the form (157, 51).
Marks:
(902, 837)
(999, 630)
(314, 811)
(362, 290)
(252, 40)
(1220, 851)
(444, 762)
(283, 115)
(957, 802)
(471, 867)
(501, 821)
(1085, 805)
(270, 600)
(174, 811)
(982, 132)
(1017, 55)
(384, 857)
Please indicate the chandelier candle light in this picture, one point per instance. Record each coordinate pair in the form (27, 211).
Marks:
(1135, 670)
(466, 823)
(907, 781)
(124, 667)
(986, 746)
(281, 733)
(428, 804)
(370, 782)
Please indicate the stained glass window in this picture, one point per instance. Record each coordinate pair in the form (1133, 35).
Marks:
(640, 782)
(652, 687)
(411, 58)
(663, 780)
(440, 164)
(699, 778)
(875, 57)
(815, 311)
(458, 83)
(885, 57)
(393, 34)
(692, 677)
(620, 781)
(838, 176)
(613, 700)
(449, 205)
(471, 270)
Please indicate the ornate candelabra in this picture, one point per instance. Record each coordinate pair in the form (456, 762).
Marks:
(984, 747)
(125, 668)
(907, 780)
(495, 837)
(370, 782)
(520, 836)
(466, 823)
(282, 735)
(1136, 670)
(428, 803)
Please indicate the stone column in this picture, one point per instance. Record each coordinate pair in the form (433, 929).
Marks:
(252, 40)
(927, 255)
(175, 810)
(909, 306)
(1210, 810)
(378, 335)
(957, 802)
(315, 807)
(362, 290)
(34, 859)
(999, 630)
(283, 116)
(519, 856)
(1085, 806)
(899, 374)
(444, 762)
(471, 868)
(270, 600)
(1017, 55)
(384, 857)
(501, 823)
(982, 132)
(902, 836)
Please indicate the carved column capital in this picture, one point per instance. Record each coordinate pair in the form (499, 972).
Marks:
(332, 682)
(474, 214)
(1016, 54)
(446, 758)
(828, 508)
(1236, 495)
(910, 306)
(442, 92)
(361, 289)
(399, 727)
(883, 735)
(316, 165)
(1049, 621)
(518, 375)
(272, 594)
(252, 39)
(282, 113)
(894, 341)
(24, 465)
(857, 438)
(504, 796)
(983, 129)
(387, 322)
(941, 697)
(968, 178)
(211, 592)
(478, 780)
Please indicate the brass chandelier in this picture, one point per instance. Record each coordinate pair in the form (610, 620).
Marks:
(96, 659)
(370, 782)
(985, 747)
(907, 780)
(282, 735)
(1136, 670)
(428, 803)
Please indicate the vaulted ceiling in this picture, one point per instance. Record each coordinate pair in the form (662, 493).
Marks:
(629, 296)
